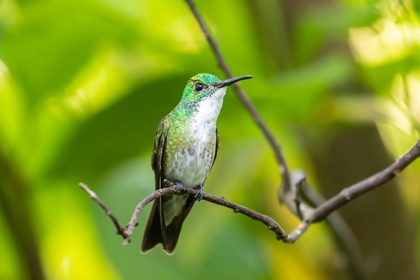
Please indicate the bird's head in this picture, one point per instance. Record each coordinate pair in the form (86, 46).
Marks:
(204, 85)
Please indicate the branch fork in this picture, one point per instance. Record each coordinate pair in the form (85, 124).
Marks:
(294, 192)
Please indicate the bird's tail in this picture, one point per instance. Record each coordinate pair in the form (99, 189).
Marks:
(152, 234)
(158, 232)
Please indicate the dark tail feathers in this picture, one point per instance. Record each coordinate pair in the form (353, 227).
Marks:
(169, 236)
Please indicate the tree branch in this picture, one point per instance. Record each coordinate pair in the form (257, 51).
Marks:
(268, 221)
(240, 93)
(348, 194)
(174, 189)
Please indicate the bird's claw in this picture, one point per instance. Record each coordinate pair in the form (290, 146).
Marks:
(199, 195)
(182, 188)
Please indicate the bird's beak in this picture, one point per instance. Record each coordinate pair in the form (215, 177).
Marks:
(228, 82)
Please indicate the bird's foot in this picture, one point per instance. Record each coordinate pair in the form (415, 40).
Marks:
(182, 188)
(198, 196)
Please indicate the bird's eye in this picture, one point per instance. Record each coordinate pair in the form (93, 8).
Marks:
(199, 86)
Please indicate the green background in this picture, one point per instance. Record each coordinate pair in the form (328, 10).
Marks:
(84, 83)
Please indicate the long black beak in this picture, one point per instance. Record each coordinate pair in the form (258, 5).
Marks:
(228, 82)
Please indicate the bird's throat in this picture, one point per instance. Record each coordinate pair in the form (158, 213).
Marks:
(208, 111)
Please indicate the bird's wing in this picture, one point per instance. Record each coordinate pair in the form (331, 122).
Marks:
(153, 231)
(158, 152)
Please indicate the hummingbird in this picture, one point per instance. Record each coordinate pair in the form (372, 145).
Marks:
(184, 151)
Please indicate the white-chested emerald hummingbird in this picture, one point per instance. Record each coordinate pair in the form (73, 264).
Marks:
(185, 148)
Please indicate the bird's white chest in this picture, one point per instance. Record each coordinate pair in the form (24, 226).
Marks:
(193, 160)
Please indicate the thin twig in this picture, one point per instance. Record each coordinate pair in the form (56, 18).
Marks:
(120, 230)
(174, 189)
(240, 93)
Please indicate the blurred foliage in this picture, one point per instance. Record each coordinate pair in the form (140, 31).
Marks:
(83, 85)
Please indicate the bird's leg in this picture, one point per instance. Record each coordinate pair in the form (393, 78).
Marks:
(182, 188)
(199, 195)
